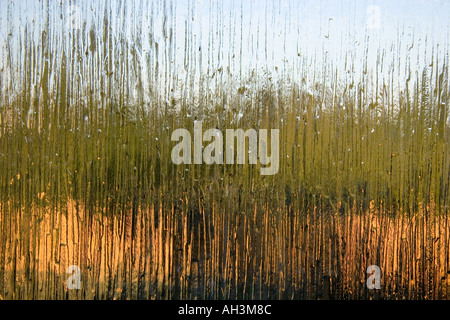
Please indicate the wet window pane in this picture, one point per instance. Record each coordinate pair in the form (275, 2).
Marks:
(224, 149)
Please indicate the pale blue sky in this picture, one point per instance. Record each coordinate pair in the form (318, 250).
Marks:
(281, 37)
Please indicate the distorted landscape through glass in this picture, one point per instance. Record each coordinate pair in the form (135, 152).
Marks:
(355, 93)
